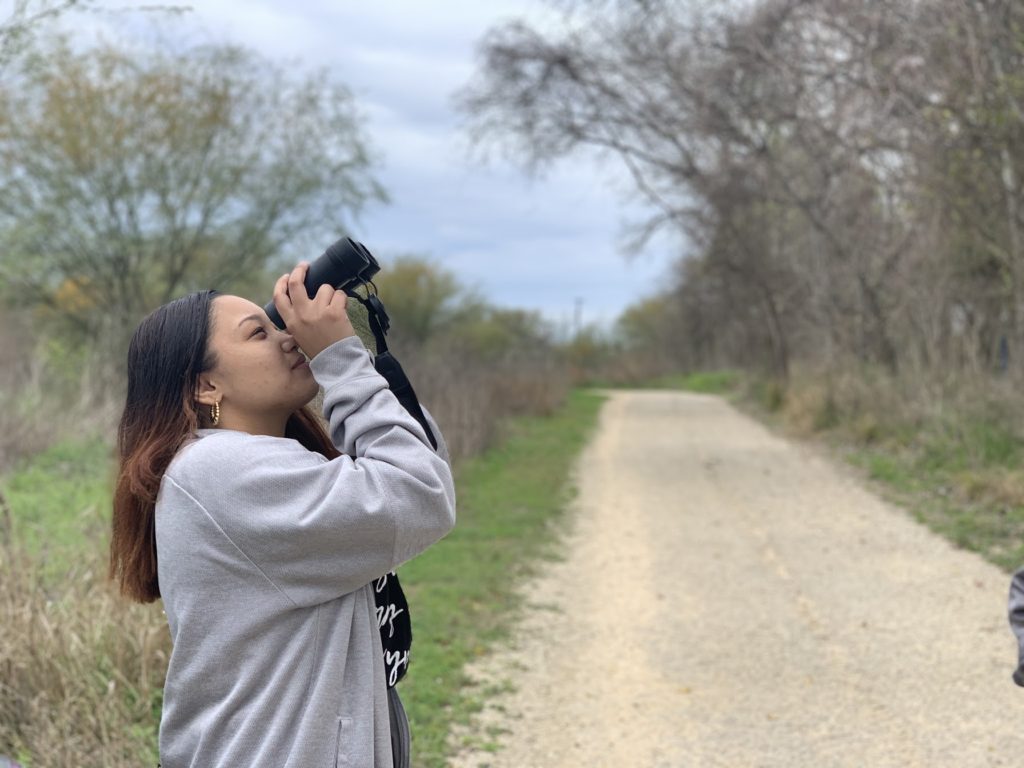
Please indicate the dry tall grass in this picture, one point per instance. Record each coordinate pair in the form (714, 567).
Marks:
(45, 397)
(470, 397)
(81, 670)
(872, 405)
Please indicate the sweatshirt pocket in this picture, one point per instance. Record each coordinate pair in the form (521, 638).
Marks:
(344, 748)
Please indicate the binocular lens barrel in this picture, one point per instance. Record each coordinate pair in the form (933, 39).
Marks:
(345, 265)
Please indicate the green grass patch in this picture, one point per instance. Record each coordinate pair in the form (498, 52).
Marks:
(954, 496)
(60, 502)
(705, 382)
(964, 484)
(461, 591)
(994, 444)
(891, 466)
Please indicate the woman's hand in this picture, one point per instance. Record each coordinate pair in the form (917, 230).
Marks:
(315, 323)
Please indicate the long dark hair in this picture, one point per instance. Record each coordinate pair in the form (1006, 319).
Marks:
(167, 353)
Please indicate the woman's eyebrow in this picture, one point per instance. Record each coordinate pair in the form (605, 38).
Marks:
(250, 317)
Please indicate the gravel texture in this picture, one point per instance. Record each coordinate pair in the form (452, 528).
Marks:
(728, 598)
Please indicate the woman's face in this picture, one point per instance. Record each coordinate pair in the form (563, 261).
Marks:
(255, 379)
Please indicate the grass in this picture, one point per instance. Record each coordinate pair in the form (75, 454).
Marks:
(967, 489)
(82, 670)
(724, 382)
(705, 382)
(59, 501)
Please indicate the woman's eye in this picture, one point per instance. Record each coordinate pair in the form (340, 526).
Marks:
(258, 330)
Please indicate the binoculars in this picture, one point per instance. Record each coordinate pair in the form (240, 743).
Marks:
(345, 266)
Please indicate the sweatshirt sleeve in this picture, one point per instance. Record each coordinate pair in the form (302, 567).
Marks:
(1015, 610)
(319, 529)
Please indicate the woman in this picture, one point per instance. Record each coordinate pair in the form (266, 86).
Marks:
(263, 534)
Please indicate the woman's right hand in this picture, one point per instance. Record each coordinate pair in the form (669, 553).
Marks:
(314, 323)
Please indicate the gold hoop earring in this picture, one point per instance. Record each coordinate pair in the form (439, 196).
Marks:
(215, 413)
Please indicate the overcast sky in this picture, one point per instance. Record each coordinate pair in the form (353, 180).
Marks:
(537, 244)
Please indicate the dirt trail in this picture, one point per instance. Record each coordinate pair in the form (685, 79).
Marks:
(731, 599)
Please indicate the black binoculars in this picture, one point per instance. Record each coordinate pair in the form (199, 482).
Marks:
(345, 265)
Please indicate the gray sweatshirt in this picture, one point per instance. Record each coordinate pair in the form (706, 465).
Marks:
(266, 554)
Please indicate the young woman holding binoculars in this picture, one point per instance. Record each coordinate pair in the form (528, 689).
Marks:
(264, 533)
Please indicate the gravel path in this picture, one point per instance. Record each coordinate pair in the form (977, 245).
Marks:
(731, 599)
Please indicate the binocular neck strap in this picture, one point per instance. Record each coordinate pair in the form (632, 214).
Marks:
(378, 319)
(388, 367)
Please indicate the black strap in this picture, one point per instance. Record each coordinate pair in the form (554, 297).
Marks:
(388, 366)
(393, 618)
(395, 626)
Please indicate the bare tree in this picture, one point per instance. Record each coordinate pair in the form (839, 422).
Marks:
(25, 16)
(849, 171)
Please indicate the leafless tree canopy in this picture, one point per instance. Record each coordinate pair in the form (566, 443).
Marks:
(849, 171)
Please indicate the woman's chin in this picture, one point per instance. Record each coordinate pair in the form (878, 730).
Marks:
(312, 391)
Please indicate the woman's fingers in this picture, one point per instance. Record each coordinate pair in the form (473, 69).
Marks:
(324, 294)
(281, 299)
(296, 284)
(315, 323)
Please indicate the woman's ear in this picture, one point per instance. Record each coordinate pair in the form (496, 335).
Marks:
(207, 391)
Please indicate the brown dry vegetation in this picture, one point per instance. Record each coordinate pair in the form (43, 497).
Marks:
(82, 670)
(50, 389)
(470, 400)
